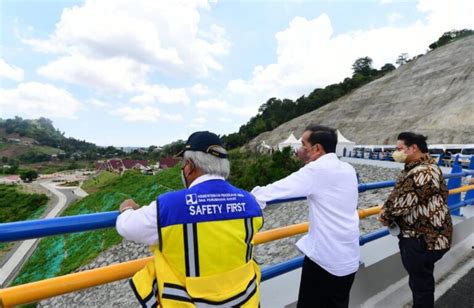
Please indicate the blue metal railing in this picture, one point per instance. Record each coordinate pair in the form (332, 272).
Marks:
(290, 265)
(281, 268)
(23, 230)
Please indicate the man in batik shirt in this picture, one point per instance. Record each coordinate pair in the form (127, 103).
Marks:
(418, 205)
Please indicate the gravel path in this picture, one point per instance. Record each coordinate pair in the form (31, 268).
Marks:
(119, 294)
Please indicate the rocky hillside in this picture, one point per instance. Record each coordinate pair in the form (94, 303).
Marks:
(432, 95)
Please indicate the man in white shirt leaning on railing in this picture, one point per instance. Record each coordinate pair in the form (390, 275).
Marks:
(331, 247)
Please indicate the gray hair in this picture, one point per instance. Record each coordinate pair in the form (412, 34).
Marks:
(209, 163)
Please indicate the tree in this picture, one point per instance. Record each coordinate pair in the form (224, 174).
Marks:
(362, 66)
(152, 148)
(72, 165)
(451, 36)
(388, 67)
(402, 59)
(28, 175)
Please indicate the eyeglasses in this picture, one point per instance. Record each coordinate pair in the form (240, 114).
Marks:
(307, 148)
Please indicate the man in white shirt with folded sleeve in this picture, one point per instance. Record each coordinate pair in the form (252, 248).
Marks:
(331, 247)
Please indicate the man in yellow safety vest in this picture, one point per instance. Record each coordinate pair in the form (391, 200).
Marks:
(202, 235)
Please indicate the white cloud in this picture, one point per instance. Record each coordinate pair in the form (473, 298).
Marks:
(110, 75)
(165, 36)
(447, 15)
(10, 71)
(222, 106)
(34, 99)
(303, 64)
(145, 114)
(98, 103)
(225, 120)
(214, 105)
(197, 122)
(394, 17)
(160, 94)
(173, 117)
(199, 90)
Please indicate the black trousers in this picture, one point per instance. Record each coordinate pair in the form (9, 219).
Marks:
(419, 263)
(319, 288)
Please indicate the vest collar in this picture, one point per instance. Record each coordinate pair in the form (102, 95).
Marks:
(204, 178)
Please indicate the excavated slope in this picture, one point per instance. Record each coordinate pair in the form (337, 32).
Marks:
(432, 95)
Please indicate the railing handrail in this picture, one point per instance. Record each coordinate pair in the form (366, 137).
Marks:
(292, 264)
(300, 228)
(22, 230)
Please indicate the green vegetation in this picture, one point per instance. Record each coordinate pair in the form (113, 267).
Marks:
(16, 205)
(99, 181)
(250, 170)
(28, 175)
(39, 140)
(276, 111)
(58, 255)
(43, 131)
(451, 36)
(56, 166)
(27, 153)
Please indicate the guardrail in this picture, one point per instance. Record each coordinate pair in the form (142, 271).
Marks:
(23, 230)
(297, 262)
(35, 291)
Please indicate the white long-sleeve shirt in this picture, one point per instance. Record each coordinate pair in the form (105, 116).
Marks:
(331, 188)
(141, 225)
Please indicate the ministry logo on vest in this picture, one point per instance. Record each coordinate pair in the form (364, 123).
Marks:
(191, 199)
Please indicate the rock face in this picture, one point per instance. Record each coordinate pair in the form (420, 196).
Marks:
(432, 95)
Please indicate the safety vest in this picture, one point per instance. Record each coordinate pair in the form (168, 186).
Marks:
(204, 252)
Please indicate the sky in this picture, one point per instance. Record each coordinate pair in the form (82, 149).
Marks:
(146, 72)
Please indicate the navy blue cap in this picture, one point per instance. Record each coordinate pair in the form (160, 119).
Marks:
(204, 142)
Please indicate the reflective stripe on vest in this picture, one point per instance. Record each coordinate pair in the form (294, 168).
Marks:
(191, 250)
(150, 300)
(248, 238)
(176, 292)
(179, 293)
(238, 287)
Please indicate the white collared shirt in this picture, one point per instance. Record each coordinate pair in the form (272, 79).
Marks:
(331, 188)
(141, 225)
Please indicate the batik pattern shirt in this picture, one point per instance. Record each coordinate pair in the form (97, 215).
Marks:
(418, 204)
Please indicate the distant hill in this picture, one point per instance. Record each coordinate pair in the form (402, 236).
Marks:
(432, 94)
(37, 140)
(41, 130)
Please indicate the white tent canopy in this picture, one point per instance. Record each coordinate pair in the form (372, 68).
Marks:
(344, 146)
(291, 141)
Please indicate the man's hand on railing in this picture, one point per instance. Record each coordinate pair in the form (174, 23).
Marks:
(128, 204)
(382, 218)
